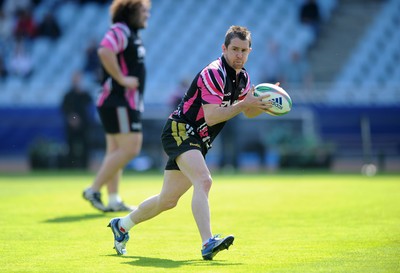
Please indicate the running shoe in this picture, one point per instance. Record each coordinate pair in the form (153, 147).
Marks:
(214, 245)
(120, 207)
(95, 199)
(121, 237)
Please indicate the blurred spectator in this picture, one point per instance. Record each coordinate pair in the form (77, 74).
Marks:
(310, 15)
(6, 27)
(92, 62)
(37, 2)
(25, 26)
(297, 72)
(178, 93)
(272, 67)
(229, 145)
(3, 68)
(77, 108)
(20, 61)
(12, 6)
(49, 27)
(93, 1)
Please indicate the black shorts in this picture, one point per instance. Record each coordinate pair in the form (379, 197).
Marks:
(176, 140)
(120, 119)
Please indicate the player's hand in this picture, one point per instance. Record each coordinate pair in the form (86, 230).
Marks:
(252, 101)
(130, 82)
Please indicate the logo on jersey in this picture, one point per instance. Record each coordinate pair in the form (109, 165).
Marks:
(141, 51)
(194, 144)
(227, 103)
(136, 126)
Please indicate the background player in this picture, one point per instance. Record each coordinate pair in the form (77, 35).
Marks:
(120, 104)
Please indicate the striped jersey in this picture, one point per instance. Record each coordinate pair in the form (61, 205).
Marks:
(218, 84)
(128, 47)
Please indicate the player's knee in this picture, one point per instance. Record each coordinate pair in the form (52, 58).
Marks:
(205, 183)
(131, 152)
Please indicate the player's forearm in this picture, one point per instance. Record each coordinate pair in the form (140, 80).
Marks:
(110, 63)
(215, 114)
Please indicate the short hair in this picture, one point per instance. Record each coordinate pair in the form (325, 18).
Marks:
(237, 32)
(122, 10)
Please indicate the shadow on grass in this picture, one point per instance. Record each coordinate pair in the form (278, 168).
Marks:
(167, 263)
(75, 218)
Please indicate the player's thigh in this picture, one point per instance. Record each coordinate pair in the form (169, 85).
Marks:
(193, 165)
(129, 141)
(111, 143)
(175, 185)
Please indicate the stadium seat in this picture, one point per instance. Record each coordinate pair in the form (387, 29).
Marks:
(172, 36)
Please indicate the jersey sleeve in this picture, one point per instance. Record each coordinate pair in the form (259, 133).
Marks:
(211, 84)
(116, 38)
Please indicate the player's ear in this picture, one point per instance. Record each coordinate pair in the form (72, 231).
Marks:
(223, 48)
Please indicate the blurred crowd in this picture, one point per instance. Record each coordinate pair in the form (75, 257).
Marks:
(19, 27)
(290, 65)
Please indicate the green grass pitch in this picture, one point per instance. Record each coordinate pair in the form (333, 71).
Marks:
(282, 223)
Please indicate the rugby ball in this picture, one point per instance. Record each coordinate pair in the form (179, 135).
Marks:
(281, 101)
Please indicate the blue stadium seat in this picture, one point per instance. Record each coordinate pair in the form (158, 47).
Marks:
(172, 38)
(372, 66)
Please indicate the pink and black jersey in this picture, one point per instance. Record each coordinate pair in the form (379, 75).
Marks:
(217, 83)
(128, 47)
